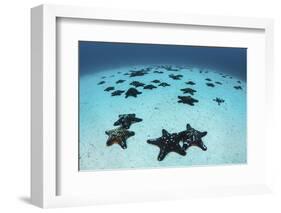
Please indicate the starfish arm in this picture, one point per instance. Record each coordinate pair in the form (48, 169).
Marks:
(108, 132)
(202, 145)
(165, 132)
(137, 119)
(129, 134)
(202, 134)
(162, 154)
(186, 145)
(110, 141)
(188, 127)
(180, 150)
(123, 144)
(154, 142)
(126, 125)
(117, 123)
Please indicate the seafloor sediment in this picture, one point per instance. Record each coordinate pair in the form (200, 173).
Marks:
(158, 107)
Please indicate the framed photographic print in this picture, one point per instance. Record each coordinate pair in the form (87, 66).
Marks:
(149, 106)
(115, 100)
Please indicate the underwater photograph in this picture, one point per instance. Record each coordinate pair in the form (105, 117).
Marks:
(159, 105)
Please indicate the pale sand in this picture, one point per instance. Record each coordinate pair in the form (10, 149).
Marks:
(225, 124)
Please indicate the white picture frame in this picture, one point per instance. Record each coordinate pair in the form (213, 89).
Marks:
(45, 168)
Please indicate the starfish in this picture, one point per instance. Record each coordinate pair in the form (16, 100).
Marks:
(126, 120)
(218, 100)
(137, 84)
(169, 68)
(190, 83)
(118, 136)
(150, 86)
(176, 77)
(132, 92)
(117, 92)
(139, 72)
(238, 87)
(101, 82)
(192, 137)
(210, 84)
(109, 89)
(120, 81)
(167, 143)
(188, 90)
(159, 72)
(164, 84)
(187, 100)
(155, 81)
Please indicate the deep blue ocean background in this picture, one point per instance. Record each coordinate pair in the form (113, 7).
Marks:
(96, 56)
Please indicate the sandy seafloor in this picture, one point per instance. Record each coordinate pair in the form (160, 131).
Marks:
(159, 109)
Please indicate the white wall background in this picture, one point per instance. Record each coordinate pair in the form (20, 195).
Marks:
(15, 98)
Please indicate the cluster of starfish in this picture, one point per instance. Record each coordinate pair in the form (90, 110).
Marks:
(168, 142)
(120, 134)
(178, 142)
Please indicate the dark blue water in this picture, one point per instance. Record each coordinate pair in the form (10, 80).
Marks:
(96, 56)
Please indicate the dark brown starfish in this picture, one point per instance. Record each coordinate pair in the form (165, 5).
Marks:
(118, 136)
(192, 137)
(167, 143)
